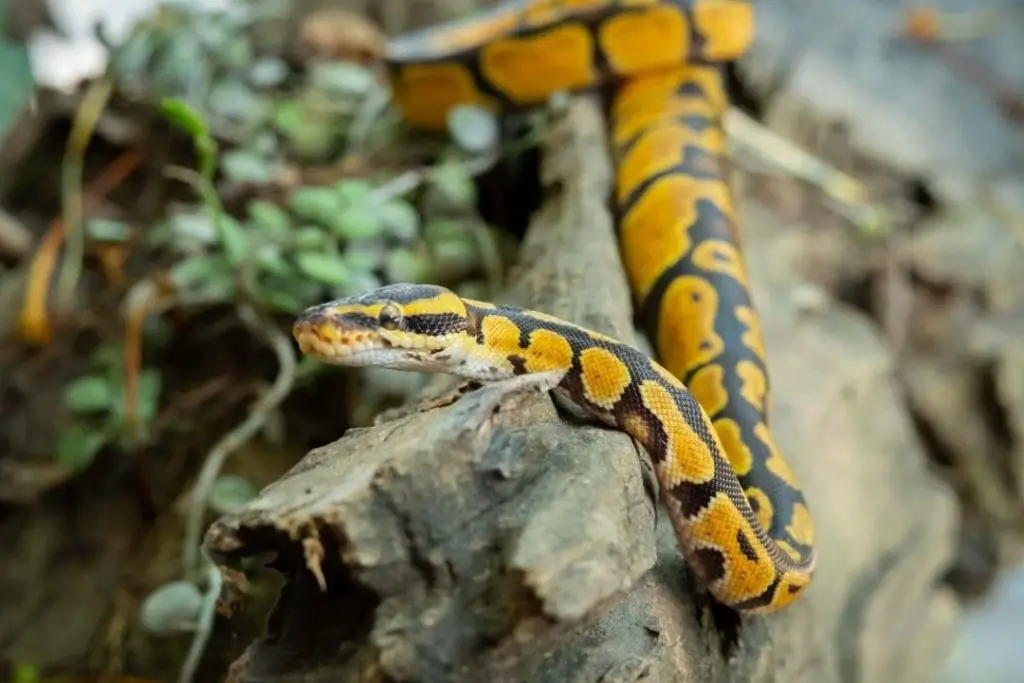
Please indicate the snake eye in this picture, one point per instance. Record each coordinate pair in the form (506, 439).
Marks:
(390, 317)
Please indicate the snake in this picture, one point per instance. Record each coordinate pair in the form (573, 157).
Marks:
(700, 409)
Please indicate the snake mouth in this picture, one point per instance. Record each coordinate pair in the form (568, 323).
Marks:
(335, 346)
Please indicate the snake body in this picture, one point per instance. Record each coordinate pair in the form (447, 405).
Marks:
(736, 507)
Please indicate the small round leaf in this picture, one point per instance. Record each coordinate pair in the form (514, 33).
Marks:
(172, 608)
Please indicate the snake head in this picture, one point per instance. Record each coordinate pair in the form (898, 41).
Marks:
(400, 326)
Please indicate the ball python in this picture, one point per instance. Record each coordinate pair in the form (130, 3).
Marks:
(701, 411)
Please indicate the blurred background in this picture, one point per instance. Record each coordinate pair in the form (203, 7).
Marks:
(147, 377)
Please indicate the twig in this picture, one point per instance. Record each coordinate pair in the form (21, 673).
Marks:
(242, 433)
(33, 323)
(86, 117)
(143, 299)
(204, 625)
(852, 196)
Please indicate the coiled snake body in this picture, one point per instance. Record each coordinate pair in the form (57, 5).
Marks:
(702, 413)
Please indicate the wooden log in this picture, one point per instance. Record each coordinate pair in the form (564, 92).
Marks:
(493, 539)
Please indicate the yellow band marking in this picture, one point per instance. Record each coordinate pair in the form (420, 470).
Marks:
(501, 336)
(686, 326)
(708, 386)
(744, 578)
(654, 232)
(605, 378)
(775, 464)
(626, 128)
(426, 93)
(721, 256)
(800, 527)
(790, 586)
(787, 548)
(687, 457)
(753, 384)
(727, 26)
(736, 449)
(547, 351)
(529, 70)
(638, 94)
(644, 41)
(669, 378)
(752, 338)
(663, 148)
(636, 426)
(445, 303)
(442, 303)
(762, 506)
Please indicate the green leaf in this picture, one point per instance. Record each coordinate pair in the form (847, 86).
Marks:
(270, 260)
(345, 79)
(454, 182)
(182, 68)
(319, 204)
(265, 143)
(289, 116)
(284, 301)
(359, 217)
(269, 218)
(292, 292)
(400, 219)
(362, 281)
(234, 239)
(246, 166)
(355, 192)
(230, 493)
(178, 112)
(234, 103)
(208, 274)
(308, 133)
(406, 265)
(439, 230)
(456, 257)
(474, 289)
(357, 223)
(193, 226)
(236, 52)
(78, 445)
(89, 394)
(106, 230)
(311, 238)
(268, 72)
(172, 608)
(25, 673)
(473, 128)
(365, 255)
(323, 266)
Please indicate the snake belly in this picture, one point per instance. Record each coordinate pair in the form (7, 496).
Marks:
(745, 530)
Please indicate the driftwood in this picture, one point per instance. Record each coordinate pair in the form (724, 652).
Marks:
(493, 539)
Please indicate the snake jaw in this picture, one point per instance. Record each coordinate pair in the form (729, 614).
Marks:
(335, 341)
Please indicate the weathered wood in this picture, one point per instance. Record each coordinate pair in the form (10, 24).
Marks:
(491, 539)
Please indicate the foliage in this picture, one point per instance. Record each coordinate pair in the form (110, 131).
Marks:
(97, 402)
